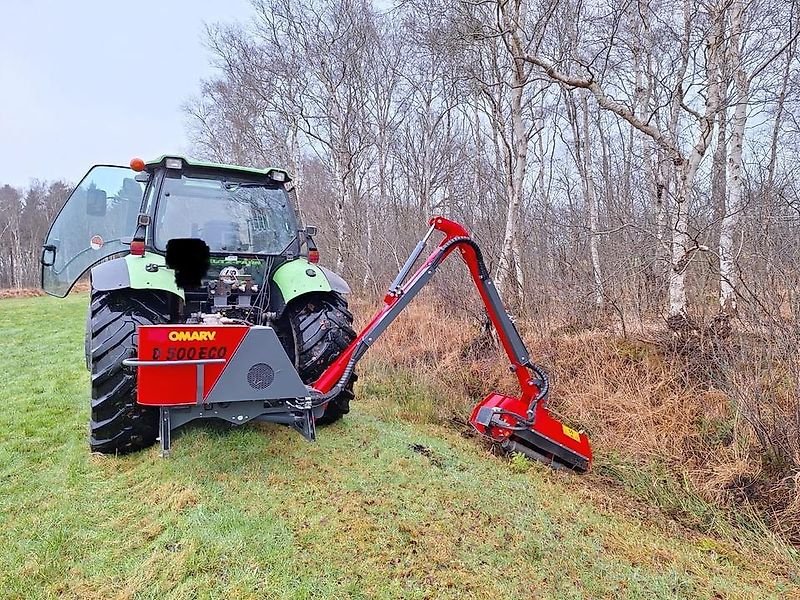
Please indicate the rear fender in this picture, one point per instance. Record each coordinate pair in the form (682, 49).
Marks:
(298, 277)
(148, 272)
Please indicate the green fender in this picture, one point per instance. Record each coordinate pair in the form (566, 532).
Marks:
(298, 277)
(132, 272)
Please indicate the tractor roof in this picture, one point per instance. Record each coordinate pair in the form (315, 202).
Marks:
(210, 165)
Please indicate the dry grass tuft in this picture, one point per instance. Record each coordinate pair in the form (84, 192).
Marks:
(20, 293)
(79, 288)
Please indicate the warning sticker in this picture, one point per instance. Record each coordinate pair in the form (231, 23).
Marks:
(570, 432)
(96, 242)
(229, 275)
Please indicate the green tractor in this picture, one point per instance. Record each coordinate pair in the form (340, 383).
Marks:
(135, 228)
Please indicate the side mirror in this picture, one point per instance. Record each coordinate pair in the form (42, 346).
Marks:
(48, 257)
(96, 202)
(311, 230)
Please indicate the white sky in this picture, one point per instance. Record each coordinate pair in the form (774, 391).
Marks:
(98, 81)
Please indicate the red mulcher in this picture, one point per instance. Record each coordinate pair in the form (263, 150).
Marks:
(241, 373)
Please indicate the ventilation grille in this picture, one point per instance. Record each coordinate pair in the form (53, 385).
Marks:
(260, 376)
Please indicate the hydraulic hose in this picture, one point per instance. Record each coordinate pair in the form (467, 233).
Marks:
(321, 398)
(544, 389)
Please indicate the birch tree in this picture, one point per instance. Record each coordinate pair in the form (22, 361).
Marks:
(743, 78)
(508, 91)
(578, 115)
(686, 163)
(728, 227)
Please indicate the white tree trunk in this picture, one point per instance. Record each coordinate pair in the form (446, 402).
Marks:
(507, 250)
(339, 211)
(682, 249)
(662, 175)
(368, 258)
(590, 194)
(679, 248)
(730, 222)
(519, 161)
(517, 250)
(779, 107)
(297, 163)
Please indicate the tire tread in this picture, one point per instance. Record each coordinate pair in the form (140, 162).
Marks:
(323, 327)
(119, 425)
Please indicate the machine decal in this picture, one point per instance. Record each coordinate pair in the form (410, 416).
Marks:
(251, 262)
(569, 431)
(190, 353)
(96, 242)
(192, 336)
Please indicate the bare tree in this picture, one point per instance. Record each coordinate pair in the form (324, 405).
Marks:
(25, 217)
(686, 163)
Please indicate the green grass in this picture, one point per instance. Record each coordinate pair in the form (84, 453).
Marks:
(379, 507)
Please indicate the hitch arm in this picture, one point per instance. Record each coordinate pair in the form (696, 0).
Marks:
(401, 294)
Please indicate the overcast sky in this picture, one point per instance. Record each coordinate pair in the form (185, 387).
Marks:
(98, 81)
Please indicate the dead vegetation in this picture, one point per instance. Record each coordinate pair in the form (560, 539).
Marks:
(20, 293)
(79, 288)
(716, 420)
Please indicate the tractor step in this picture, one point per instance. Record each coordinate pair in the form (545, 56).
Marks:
(236, 413)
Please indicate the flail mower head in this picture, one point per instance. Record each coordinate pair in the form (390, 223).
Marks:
(540, 437)
(521, 424)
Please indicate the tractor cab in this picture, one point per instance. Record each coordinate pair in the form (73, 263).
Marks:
(231, 215)
(245, 217)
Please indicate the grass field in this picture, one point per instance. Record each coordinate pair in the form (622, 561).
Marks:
(378, 508)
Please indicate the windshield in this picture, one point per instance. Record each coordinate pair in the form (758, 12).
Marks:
(227, 215)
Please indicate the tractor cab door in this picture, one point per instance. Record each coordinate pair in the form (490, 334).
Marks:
(99, 213)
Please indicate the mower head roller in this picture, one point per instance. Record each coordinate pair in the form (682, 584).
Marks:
(542, 437)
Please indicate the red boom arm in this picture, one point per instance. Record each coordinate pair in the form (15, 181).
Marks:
(520, 424)
(455, 237)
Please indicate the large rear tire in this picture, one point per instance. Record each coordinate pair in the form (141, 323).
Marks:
(118, 424)
(322, 328)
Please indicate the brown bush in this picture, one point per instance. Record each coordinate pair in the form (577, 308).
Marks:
(80, 287)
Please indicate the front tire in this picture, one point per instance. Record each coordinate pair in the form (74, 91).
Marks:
(322, 327)
(118, 424)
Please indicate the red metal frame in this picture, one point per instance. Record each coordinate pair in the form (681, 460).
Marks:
(175, 382)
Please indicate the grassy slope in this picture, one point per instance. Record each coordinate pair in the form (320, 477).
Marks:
(258, 512)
